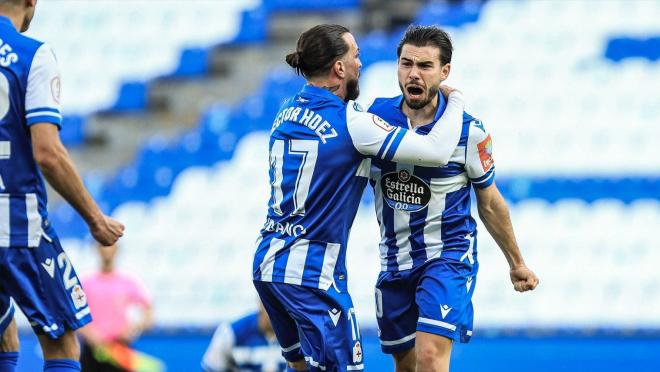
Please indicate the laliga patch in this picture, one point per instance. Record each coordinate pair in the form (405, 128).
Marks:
(78, 296)
(357, 353)
(382, 124)
(405, 191)
(485, 148)
(55, 88)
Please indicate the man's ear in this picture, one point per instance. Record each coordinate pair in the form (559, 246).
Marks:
(444, 71)
(340, 69)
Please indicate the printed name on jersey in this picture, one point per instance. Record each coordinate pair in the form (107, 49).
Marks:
(55, 89)
(284, 229)
(307, 118)
(7, 56)
(382, 124)
(405, 191)
(485, 148)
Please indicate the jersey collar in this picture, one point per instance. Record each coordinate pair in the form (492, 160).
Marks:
(310, 90)
(442, 105)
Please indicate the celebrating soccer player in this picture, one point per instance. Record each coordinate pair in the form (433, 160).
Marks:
(320, 148)
(428, 242)
(34, 270)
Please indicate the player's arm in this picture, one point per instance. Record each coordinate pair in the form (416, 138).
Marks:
(59, 171)
(494, 213)
(44, 119)
(372, 136)
(217, 357)
(492, 207)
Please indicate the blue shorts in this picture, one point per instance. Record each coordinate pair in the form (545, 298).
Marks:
(314, 324)
(435, 297)
(44, 286)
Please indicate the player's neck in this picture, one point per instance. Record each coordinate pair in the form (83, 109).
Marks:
(14, 16)
(331, 85)
(422, 116)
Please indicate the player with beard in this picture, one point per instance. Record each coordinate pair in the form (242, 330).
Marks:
(321, 145)
(428, 238)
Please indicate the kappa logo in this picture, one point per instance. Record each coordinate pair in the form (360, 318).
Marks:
(444, 310)
(49, 266)
(334, 315)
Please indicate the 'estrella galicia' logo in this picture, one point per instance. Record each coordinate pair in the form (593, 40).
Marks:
(405, 191)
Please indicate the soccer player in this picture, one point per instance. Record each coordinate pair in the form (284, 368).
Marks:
(429, 239)
(320, 148)
(248, 343)
(34, 270)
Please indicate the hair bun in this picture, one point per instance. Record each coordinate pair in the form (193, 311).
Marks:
(294, 59)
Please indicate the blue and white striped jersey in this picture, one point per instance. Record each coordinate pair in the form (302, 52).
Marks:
(29, 94)
(319, 165)
(241, 347)
(424, 212)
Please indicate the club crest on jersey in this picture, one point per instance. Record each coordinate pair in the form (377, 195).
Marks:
(405, 191)
(485, 148)
(382, 124)
(357, 352)
(78, 296)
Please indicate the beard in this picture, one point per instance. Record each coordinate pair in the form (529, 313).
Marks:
(352, 89)
(417, 104)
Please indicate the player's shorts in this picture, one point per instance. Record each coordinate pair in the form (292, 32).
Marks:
(44, 286)
(314, 324)
(435, 297)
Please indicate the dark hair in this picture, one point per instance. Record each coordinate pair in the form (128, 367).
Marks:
(317, 49)
(421, 36)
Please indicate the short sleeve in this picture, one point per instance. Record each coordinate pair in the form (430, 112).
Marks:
(42, 96)
(217, 357)
(479, 156)
(370, 134)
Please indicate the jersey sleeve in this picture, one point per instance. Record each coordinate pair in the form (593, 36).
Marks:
(217, 357)
(42, 96)
(479, 156)
(373, 136)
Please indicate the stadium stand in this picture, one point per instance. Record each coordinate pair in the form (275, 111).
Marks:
(572, 115)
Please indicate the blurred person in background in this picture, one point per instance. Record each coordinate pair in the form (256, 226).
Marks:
(429, 238)
(320, 147)
(122, 310)
(247, 344)
(34, 270)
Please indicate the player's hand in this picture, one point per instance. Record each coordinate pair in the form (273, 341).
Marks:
(523, 278)
(447, 90)
(107, 230)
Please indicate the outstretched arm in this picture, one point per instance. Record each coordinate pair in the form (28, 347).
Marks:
(373, 136)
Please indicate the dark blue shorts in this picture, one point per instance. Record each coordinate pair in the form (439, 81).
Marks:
(44, 286)
(435, 297)
(319, 326)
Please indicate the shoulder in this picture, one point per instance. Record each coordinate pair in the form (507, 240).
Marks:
(383, 104)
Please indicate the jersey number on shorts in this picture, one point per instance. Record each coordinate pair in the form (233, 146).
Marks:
(305, 151)
(5, 146)
(65, 264)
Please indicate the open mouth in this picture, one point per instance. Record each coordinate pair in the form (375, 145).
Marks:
(414, 91)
